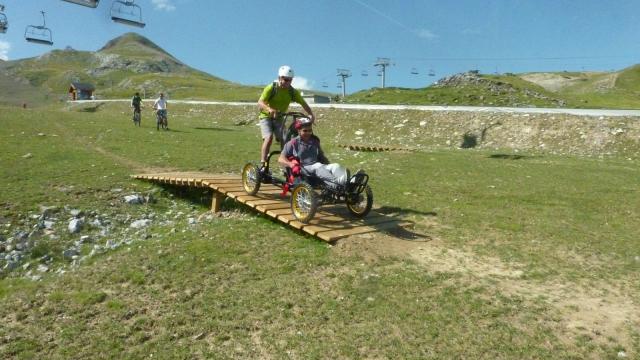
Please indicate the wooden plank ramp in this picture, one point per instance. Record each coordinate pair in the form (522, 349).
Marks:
(331, 222)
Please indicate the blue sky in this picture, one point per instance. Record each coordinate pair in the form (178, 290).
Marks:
(245, 41)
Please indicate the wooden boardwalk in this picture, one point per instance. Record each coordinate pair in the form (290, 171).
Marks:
(331, 222)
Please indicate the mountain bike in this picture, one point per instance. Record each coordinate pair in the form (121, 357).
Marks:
(161, 120)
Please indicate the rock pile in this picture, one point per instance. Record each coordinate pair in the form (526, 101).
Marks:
(56, 239)
(509, 93)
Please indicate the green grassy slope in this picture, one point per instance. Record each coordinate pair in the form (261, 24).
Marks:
(521, 255)
(124, 65)
(580, 90)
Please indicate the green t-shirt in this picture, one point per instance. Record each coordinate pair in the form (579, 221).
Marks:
(281, 100)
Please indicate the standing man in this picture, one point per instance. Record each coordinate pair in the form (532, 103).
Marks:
(275, 99)
(160, 105)
(136, 103)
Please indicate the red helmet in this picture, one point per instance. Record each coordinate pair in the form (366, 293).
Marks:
(302, 122)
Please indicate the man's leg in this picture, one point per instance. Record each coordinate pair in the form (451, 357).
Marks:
(266, 146)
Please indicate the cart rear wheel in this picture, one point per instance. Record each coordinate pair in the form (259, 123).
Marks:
(359, 205)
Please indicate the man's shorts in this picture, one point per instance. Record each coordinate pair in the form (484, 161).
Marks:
(273, 127)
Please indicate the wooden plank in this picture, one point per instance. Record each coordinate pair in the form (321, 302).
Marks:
(276, 213)
(262, 201)
(222, 181)
(266, 208)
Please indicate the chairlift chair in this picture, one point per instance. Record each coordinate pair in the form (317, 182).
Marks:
(364, 73)
(432, 73)
(127, 12)
(339, 85)
(325, 85)
(4, 24)
(414, 71)
(87, 3)
(39, 34)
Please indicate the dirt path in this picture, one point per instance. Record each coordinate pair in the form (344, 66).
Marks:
(598, 311)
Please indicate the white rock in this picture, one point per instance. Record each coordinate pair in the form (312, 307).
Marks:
(134, 199)
(75, 225)
(138, 224)
(43, 268)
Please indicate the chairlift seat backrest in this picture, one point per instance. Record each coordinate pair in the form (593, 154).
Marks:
(39, 34)
(127, 13)
(87, 3)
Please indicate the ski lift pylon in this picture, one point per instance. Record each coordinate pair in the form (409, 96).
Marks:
(127, 12)
(39, 34)
(4, 23)
(87, 3)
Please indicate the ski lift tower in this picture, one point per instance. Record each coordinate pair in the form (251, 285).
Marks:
(343, 74)
(87, 3)
(383, 63)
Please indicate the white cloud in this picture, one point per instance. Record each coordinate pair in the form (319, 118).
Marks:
(165, 5)
(302, 83)
(4, 50)
(426, 34)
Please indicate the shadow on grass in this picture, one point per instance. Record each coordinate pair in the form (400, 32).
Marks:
(403, 232)
(91, 109)
(398, 210)
(214, 129)
(199, 196)
(173, 130)
(509, 156)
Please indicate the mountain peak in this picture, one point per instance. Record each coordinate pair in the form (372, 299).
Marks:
(131, 40)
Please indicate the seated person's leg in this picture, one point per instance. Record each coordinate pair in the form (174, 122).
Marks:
(332, 174)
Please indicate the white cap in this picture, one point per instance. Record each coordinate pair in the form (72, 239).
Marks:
(285, 71)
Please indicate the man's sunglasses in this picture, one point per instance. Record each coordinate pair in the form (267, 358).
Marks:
(286, 79)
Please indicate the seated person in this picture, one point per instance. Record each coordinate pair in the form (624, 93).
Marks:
(305, 149)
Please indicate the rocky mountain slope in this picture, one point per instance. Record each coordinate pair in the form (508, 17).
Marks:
(124, 65)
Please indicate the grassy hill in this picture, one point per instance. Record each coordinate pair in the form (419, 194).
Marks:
(564, 89)
(124, 65)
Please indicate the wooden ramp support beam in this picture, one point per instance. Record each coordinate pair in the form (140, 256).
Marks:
(331, 222)
(216, 201)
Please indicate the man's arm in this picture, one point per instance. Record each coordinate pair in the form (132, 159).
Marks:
(300, 100)
(306, 108)
(265, 107)
(287, 151)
